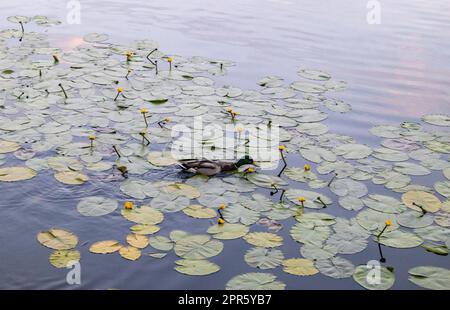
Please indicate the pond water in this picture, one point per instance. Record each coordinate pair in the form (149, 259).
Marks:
(396, 71)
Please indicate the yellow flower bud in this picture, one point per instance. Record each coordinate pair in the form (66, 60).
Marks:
(281, 147)
(307, 167)
(229, 110)
(167, 119)
(388, 223)
(250, 170)
(222, 206)
(144, 110)
(128, 205)
(92, 137)
(169, 59)
(239, 129)
(221, 221)
(301, 199)
(119, 89)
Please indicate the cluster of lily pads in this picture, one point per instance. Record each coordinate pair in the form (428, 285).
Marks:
(104, 111)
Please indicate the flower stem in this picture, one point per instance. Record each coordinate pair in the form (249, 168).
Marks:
(63, 90)
(332, 179)
(321, 201)
(23, 31)
(117, 152)
(285, 164)
(382, 231)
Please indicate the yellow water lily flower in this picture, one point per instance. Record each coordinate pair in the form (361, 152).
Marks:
(388, 222)
(169, 59)
(91, 137)
(221, 221)
(119, 89)
(167, 119)
(128, 205)
(307, 167)
(282, 148)
(144, 110)
(301, 199)
(250, 170)
(239, 129)
(229, 110)
(222, 206)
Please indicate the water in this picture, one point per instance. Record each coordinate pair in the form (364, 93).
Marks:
(397, 71)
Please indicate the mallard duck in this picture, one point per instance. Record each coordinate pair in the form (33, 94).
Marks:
(212, 167)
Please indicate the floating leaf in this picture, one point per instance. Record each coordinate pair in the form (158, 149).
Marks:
(14, 174)
(399, 239)
(255, 281)
(130, 252)
(198, 267)
(263, 258)
(374, 279)
(335, 267)
(198, 247)
(433, 278)
(137, 241)
(418, 200)
(299, 267)
(228, 231)
(263, 239)
(8, 146)
(96, 206)
(143, 215)
(200, 212)
(64, 258)
(144, 229)
(71, 177)
(105, 247)
(57, 239)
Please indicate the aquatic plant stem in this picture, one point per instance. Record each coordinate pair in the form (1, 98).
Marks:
(321, 201)
(421, 208)
(115, 150)
(23, 31)
(285, 163)
(382, 259)
(63, 90)
(332, 179)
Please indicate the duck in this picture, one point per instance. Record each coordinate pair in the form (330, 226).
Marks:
(212, 167)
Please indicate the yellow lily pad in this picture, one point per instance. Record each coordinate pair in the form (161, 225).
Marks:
(263, 239)
(144, 229)
(62, 258)
(14, 174)
(200, 212)
(417, 200)
(105, 247)
(299, 267)
(180, 189)
(138, 241)
(143, 215)
(130, 252)
(71, 177)
(8, 146)
(57, 239)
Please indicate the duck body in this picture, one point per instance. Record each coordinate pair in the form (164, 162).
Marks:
(206, 167)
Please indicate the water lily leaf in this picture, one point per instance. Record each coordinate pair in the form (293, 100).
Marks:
(263, 239)
(317, 154)
(386, 131)
(418, 200)
(180, 189)
(263, 258)
(228, 231)
(144, 229)
(436, 249)
(336, 105)
(161, 158)
(430, 277)
(57, 239)
(437, 146)
(316, 75)
(237, 213)
(71, 177)
(367, 279)
(14, 174)
(443, 188)
(8, 146)
(169, 202)
(198, 247)
(311, 198)
(105, 247)
(437, 119)
(308, 87)
(264, 180)
(299, 267)
(130, 252)
(318, 251)
(384, 204)
(299, 174)
(143, 215)
(96, 206)
(197, 267)
(351, 203)
(348, 187)
(389, 155)
(348, 242)
(200, 212)
(399, 239)
(353, 151)
(258, 203)
(336, 267)
(411, 169)
(137, 241)
(374, 221)
(62, 258)
(414, 219)
(316, 219)
(391, 180)
(161, 243)
(95, 37)
(255, 281)
(433, 233)
(281, 211)
(306, 233)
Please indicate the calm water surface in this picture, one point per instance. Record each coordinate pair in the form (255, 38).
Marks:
(397, 71)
